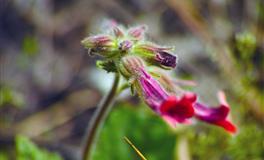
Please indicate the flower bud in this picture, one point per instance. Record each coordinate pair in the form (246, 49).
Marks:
(130, 66)
(125, 45)
(118, 32)
(114, 28)
(166, 59)
(137, 32)
(157, 54)
(101, 44)
(153, 48)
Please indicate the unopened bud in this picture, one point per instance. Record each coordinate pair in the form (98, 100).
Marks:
(137, 32)
(131, 65)
(158, 54)
(152, 48)
(125, 45)
(100, 44)
(118, 32)
(166, 59)
(114, 28)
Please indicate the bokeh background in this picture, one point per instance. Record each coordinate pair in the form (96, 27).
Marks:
(50, 87)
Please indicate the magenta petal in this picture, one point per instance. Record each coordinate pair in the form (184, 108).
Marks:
(172, 121)
(206, 113)
(176, 110)
(152, 92)
(215, 115)
(172, 109)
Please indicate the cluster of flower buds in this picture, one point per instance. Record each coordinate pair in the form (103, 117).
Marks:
(121, 42)
(127, 51)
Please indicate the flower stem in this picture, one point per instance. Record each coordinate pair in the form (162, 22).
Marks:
(98, 119)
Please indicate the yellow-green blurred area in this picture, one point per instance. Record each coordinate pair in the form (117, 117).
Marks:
(50, 87)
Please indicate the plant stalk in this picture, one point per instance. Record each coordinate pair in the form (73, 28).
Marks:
(98, 119)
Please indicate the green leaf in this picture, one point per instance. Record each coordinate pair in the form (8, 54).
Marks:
(146, 130)
(3, 156)
(27, 150)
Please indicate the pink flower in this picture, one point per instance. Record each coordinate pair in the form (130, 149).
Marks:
(173, 109)
(215, 115)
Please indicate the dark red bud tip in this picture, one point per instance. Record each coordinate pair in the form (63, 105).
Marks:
(228, 126)
(166, 59)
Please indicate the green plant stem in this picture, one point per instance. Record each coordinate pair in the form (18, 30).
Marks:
(182, 148)
(98, 119)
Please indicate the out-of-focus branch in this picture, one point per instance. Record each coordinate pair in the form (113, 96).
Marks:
(187, 12)
(55, 115)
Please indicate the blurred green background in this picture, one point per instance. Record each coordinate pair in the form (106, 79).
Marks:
(49, 86)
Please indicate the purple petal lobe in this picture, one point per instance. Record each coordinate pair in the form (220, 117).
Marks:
(166, 59)
(215, 115)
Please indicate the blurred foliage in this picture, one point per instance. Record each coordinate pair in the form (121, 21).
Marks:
(10, 97)
(260, 11)
(211, 142)
(3, 156)
(30, 46)
(246, 44)
(249, 58)
(147, 132)
(248, 143)
(27, 150)
(215, 144)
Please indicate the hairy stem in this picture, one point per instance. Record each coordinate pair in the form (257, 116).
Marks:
(98, 119)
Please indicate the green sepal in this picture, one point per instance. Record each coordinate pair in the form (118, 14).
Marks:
(108, 65)
(153, 73)
(123, 87)
(132, 90)
(133, 86)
